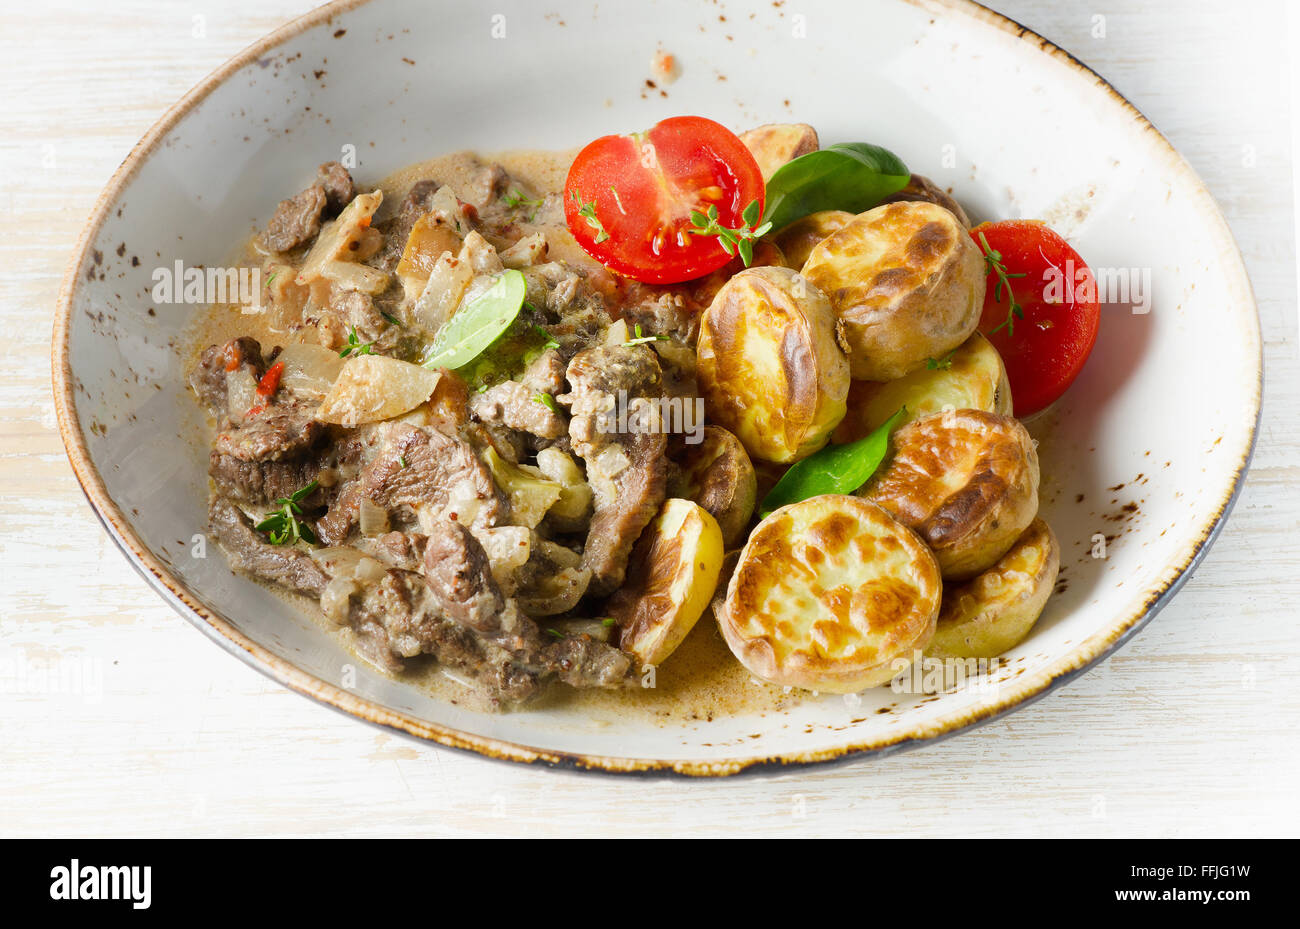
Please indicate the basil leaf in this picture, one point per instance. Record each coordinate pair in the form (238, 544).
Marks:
(836, 469)
(476, 326)
(852, 176)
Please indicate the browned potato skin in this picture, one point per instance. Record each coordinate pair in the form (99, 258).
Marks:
(775, 144)
(972, 525)
(718, 475)
(921, 187)
(783, 408)
(907, 281)
(992, 613)
(798, 239)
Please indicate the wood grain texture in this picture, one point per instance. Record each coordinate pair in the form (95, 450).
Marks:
(146, 728)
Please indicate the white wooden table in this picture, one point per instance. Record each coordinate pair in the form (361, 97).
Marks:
(1190, 730)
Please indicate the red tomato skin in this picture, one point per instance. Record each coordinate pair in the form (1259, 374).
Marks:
(641, 189)
(1047, 349)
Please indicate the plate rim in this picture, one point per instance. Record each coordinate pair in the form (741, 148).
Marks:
(211, 623)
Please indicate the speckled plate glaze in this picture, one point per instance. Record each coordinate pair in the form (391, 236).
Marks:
(1146, 451)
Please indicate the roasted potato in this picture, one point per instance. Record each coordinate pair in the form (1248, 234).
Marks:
(371, 388)
(921, 187)
(670, 580)
(966, 481)
(972, 378)
(830, 594)
(796, 240)
(776, 143)
(992, 612)
(906, 280)
(769, 366)
(717, 474)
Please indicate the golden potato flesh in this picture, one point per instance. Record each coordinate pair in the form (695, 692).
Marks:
(776, 143)
(966, 481)
(907, 281)
(973, 377)
(920, 187)
(670, 581)
(717, 474)
(830, 594)
(769, 366)
(796, 240)
(993, 612)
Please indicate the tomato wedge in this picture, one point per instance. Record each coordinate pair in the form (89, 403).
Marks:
(628, 199)
(1047, 334)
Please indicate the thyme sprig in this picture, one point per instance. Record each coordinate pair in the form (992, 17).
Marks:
(993, 262)
(354, 346)
(587, 210)
(283, 527)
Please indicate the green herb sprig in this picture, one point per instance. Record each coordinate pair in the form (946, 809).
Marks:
(354, 346)
(514, 198)
(993, 262)
(547, 401)
(739, 240)
(640, 339)
(940, 364)
(587, 210)
(283, 527)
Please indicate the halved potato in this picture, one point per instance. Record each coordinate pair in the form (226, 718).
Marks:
(776, 143)
(769, 366)
(797, 239)
(992, 612)
(831, 594)
(670, 580)
(966, 481)
(371, 388)
(920, 187)
(907, 281)
(975, 379)
(717, 474)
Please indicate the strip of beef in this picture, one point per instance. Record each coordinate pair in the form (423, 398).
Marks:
(406, 615)
(516, 406)
(249, 551)
(297, 220)
(460, 577)
(209, 376)
(284, 427)
(400, 617)
(418, 467)
(259, 483)
(625, 456)
(335, 180)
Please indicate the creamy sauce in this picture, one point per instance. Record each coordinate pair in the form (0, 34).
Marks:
(701, 680)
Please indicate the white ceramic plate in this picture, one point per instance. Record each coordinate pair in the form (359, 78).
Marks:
(1148, 448)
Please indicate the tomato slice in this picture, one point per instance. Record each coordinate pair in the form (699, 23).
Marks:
(1045, 345)
(628, 199)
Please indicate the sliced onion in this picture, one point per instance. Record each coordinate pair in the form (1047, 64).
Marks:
(309, 370)
(241, 392)
(336, 596)
(374, 518)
